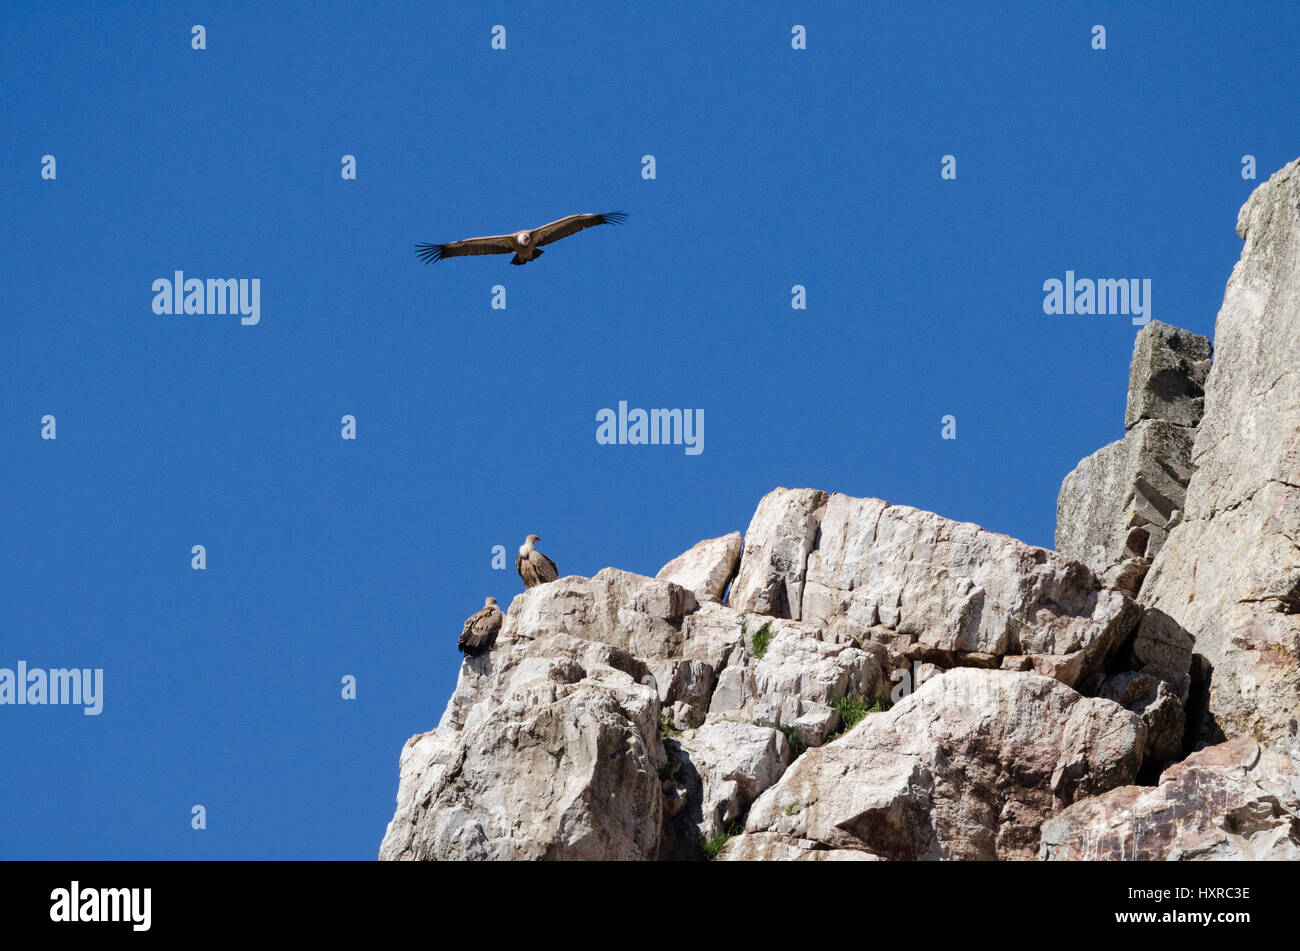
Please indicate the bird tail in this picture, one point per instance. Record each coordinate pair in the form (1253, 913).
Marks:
(429, 252)
(515, 260)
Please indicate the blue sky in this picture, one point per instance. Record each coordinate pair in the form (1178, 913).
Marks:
(476, 426)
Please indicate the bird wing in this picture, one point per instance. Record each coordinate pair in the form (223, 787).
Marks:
(545, 568)
(480, 630)
(493, 244)
(527, 569)
(468, 630)
(573, 224)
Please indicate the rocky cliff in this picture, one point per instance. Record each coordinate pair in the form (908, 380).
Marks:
(1230, 570)
(860, 680)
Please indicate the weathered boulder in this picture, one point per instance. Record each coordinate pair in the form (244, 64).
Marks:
(1166, 378)
(1116, 508)
(777, 542)
(957, 594)
(1230, 571)
(714, 634)
(716, 772)
(1236, 800)
(685, 689)
(543, 757)
(1160, 709)
(1151, 675)
(796, 681)
(968, 767)
(707, 568)
(712, 638)
(1163, 648)
(484, 680)
(638, 614)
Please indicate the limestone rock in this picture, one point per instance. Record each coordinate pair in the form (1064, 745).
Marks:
(960, 594)
(685, 689)
(968, 767)
(769, 847)
(1162, 647)
(707, 568)
(1161, 710)
(1230, 570)
(713, 634)
(1117, 507)
(635, 613)
(1166, 378)
(1236, 800)
(546, 758)
(800, 675)
(718, 771)
(486, 679)
(777, 542)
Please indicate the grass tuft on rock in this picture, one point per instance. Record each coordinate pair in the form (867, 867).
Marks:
(852, 709)
(711, 848)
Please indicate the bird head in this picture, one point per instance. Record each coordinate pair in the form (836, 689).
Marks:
(533, 539)
(490, 603)
(524, 237)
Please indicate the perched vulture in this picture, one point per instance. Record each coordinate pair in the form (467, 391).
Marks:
(481, 629)
(534, 567)
(524, 245)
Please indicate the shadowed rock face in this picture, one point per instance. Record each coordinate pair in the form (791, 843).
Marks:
(1236, 800)
(715, 774)
(1167, 376)
(968, 767)
(1230, 570)
(1116, 509)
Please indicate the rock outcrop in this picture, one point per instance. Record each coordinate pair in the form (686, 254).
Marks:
(707, 568)
(928, 588)
(968, 767)
(1230, 570)
(780, 536)
(626, 717)
(714, 775)
(622, 717)
(1116, 509)
(548, 750)
(797, 680)
(1232, 801)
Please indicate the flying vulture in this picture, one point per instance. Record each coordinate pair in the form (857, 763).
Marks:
(534, 567)
(524, 245)
(481, 629)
